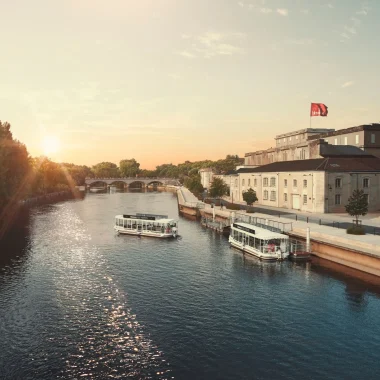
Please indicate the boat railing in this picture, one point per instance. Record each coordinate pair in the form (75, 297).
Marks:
(268, 224)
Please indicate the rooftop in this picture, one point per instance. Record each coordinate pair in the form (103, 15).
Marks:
(329, 164)
(306, 130)
(364, 127)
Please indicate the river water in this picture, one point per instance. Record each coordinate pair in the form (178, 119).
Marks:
(77, 301)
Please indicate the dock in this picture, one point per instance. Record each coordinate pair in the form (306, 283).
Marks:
(359, 252)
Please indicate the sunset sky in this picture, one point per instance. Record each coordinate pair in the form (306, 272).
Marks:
(173, 80)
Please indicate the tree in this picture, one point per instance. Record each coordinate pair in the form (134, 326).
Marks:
(357, 205)
(194, 184)
(129, 168)
(218, 187)
(106, 170)
(250, 197)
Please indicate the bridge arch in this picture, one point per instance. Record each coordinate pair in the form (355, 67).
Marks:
(98, 183)
(137, 184)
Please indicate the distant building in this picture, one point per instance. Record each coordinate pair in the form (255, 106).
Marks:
(207, 175)
(311, 143)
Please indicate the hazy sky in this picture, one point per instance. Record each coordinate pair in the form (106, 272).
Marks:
(169, 80)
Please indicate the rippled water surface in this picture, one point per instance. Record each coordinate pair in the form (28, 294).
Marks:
(78, 301)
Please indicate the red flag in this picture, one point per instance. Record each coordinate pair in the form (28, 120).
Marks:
(318, 109)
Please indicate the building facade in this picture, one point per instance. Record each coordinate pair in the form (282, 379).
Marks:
(317, 185)
(308, 143)
(207, 175)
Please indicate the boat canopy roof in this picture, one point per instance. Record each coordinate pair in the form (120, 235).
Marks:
(147, 217)
(260, 233)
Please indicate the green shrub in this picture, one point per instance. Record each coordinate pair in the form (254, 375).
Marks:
(356, 230)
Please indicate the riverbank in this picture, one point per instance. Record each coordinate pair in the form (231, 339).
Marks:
(334, 244)
(11, 213)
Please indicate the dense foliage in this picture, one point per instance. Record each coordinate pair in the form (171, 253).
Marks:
(193, 183)
(250, 197)
(357, 205)
(218, 188)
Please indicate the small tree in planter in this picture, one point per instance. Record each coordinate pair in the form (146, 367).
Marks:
(250, 197)
(357, 206)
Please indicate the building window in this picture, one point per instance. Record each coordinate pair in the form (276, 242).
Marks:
(338, 183)
(297, 137)
(345, 140)
(255, 182)
(242, 182)
(294, 183)
(285, 197)
(249, 182)
(367, 198)
(265, 194)
(356, 139)
(284, 139)
(305, 199)
(235, 182)
(303, 154)
(284, 156)
(337, 199)
(285, 183)
(265, 183)
(272, 182)
(290, 138)
(336, 141)
(272, 195)
(305, 183)
(373, 138)
(366, 182)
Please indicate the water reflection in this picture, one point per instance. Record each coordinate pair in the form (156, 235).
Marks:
(357, 284)
(13, 246)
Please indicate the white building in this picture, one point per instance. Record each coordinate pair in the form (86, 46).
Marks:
(320, 185)
(207, 175)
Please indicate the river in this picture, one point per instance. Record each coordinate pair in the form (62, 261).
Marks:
(78, 301)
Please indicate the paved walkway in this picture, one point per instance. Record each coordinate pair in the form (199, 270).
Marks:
(369, 244)
(369, 221)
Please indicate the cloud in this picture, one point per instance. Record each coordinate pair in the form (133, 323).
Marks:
(330, 6)
(345, 35)
(265, 10)
(211, 44)
(186, 54)
(347, 84)
(282, 11)
(350, 29)
(241, 4)
(305, 11)
(363, 12)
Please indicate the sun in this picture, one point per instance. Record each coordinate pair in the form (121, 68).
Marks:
(50, 145)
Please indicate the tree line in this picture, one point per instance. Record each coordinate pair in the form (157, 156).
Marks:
(23, 176)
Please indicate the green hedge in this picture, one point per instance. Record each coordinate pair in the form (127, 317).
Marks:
(356, 230)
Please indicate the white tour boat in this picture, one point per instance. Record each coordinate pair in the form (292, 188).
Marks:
(265, 244)
(146, 225)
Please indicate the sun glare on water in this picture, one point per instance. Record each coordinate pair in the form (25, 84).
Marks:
(50, 145)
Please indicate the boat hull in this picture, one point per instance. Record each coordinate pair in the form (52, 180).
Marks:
(145, 233)
(258, 254)
(300, 256)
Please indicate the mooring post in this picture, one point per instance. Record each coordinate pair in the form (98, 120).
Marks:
(308, 239)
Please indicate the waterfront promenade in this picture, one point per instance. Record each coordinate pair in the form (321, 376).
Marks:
(360, 252)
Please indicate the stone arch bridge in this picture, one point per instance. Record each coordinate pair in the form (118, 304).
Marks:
(131, 182)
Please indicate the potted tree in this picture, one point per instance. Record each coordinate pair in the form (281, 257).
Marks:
(357, 206)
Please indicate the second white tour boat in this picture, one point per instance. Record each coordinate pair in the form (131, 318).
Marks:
(265, 244)
(146, 225)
